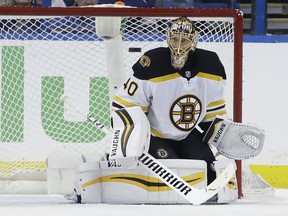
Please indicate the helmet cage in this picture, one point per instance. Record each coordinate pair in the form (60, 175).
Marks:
(181, 38)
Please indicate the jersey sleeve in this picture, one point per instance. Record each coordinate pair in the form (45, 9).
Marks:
(134, 92)
(217, 105)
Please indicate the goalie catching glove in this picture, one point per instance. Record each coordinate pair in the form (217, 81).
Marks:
(235, 140)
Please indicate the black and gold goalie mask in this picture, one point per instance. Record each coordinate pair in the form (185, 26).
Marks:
(181, 37)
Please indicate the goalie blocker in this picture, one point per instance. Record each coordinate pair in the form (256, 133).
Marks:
(131, 136)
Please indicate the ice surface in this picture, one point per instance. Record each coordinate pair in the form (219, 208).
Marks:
(32, 205)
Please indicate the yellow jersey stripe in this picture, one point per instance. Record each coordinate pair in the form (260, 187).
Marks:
(156, 133)
(214, 114)
(176, 75)
(128, 104)
(216, 103)
(165, 78)
(209, 76)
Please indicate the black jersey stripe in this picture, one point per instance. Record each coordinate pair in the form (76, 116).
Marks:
(216, 108)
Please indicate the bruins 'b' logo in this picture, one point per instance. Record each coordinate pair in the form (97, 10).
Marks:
(185, 112)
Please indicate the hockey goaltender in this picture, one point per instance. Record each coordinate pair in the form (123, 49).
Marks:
(170, 115)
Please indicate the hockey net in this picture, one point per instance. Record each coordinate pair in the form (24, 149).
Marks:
(48, 52)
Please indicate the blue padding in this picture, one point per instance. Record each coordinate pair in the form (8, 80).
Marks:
(192, 4)
(265, 39)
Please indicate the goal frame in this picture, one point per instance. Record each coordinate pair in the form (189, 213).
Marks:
(165, 12)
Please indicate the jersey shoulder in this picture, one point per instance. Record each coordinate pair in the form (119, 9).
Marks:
(153, 63)
(210, 62)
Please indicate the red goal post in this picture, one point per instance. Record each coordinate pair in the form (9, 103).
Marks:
(39, 58)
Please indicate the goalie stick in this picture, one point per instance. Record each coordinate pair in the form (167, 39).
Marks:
(193, 195)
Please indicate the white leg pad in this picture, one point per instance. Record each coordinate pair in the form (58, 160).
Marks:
(88, 183)
(229, 193)
(60, 172)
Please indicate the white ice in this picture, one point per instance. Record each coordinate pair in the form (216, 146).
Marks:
(37, 205)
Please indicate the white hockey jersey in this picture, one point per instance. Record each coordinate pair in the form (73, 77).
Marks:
(175, 100)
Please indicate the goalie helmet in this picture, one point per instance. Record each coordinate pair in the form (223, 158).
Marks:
(181, 38)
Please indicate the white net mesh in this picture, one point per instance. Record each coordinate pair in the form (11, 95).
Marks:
(254, 186)
(43, 58)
